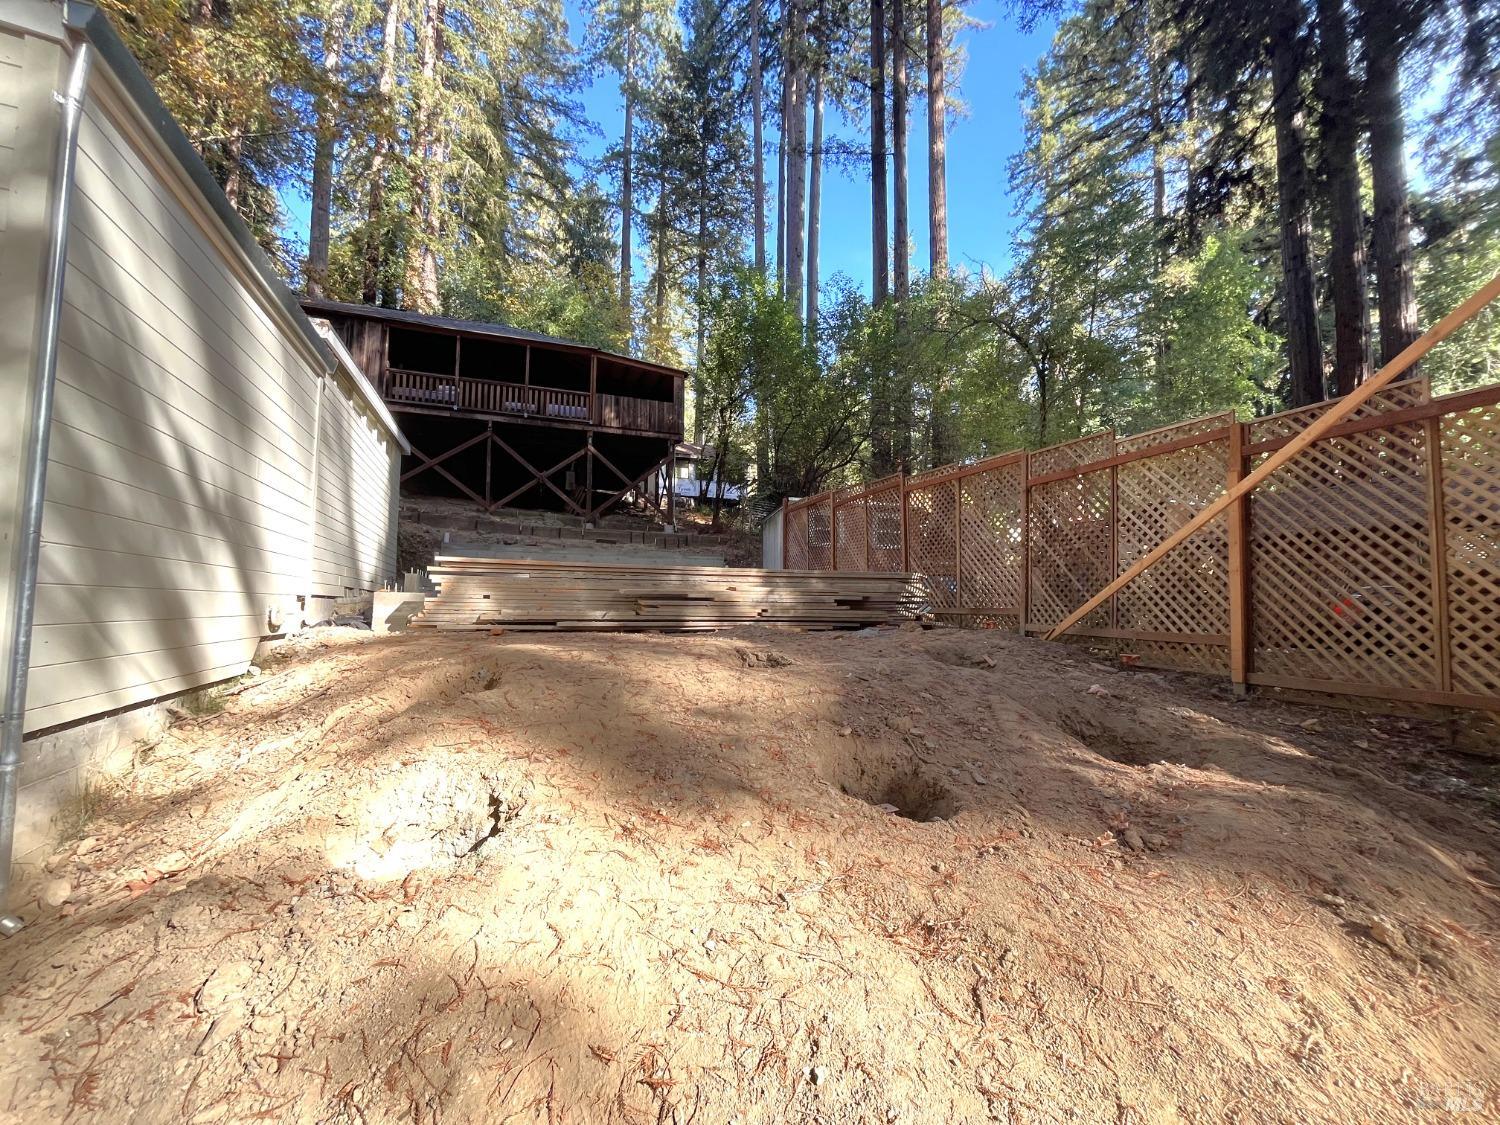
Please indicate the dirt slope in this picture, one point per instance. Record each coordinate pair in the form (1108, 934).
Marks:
(650, 878)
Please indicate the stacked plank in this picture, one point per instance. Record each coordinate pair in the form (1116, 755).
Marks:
(532, 596)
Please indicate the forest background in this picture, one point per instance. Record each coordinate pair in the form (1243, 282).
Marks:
(882, 235)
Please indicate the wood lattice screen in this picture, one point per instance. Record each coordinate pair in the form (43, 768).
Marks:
(1370, 563)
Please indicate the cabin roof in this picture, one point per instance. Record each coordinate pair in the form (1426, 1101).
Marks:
(478, 328)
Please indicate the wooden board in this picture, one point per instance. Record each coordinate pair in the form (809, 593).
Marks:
(532, 595)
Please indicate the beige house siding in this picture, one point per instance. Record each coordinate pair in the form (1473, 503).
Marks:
(31, 68)
(354, 538)
(198, 490)
(179, 527)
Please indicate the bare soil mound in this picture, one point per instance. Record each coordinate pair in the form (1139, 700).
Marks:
(888, 876)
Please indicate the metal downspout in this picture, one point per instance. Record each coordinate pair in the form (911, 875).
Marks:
(30, 538)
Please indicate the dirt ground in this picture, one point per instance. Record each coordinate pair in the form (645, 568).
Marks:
(889, 876)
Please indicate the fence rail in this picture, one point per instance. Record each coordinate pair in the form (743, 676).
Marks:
(1369, 565)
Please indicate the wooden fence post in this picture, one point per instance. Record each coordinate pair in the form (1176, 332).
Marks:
(833, 532)
(1238, 520)
(1114, 532)
(1438, 554)
(958, 543)
(785, 532)
(905, 546)
(1025, 607)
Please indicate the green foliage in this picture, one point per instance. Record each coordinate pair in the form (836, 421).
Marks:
(810, 418)
(1461, 253)
(1145, 284)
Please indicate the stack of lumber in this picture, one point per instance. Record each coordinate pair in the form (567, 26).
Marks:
(533, 595)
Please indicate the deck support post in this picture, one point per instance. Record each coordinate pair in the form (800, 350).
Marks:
(588, 480)
(671, 486)
(1238, 527)
(629, 484)
(489, 452)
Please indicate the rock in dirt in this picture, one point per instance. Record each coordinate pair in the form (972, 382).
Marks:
(766, 659)
(1133, 840)
(1387, 933)
(173, 862)
(225, 986)
(189, 916)
(1096, 689)
(55, 892)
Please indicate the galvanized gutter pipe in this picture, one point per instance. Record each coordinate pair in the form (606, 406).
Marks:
(30, 538)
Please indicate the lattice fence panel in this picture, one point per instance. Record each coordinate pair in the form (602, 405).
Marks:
(883, 517)
(991, 551)
(931, 529)
(1471, 507)
(820, 535)
(1398, 396)
(1188, 591)
(1193, 428)
(851, 535)
(1073, 454)
(795, 531)
(1340, 551)
(1070, 527)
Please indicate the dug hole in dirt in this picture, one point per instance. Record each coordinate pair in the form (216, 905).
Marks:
(888, 876)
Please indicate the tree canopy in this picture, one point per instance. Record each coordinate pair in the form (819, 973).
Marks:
(1222, 207)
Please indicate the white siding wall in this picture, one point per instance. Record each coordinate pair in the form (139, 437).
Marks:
(178, 491)
(354, 540)
(12, 49)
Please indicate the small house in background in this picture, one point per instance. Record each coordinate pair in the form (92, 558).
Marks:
(214, 469)
(507, 417)
(693, 460)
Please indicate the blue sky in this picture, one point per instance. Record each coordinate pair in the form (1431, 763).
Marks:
(981, 215)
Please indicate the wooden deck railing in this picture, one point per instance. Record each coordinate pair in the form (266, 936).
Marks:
(637, 414)
(485, 396)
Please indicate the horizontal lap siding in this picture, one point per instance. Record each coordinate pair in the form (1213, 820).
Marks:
(354, 541)
(11, 47)
(182, 452)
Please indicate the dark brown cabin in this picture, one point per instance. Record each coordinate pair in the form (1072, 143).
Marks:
(508, 417)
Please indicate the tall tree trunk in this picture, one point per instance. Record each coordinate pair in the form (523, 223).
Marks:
(879, 219)
(1395, 291)
(627, 157)
(1299, 298)
(375, 229)
(323, 147)
(937, 143)
(701, 295)
(814, 205)
(903, 404)
(1347, 272)
(421, 261)
(796, 157)
(659, 302)
(233, 168)
(882, 456)
(758, 114)
(902, 237)
(783, 157)
(1157, 80)
(941, 425)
